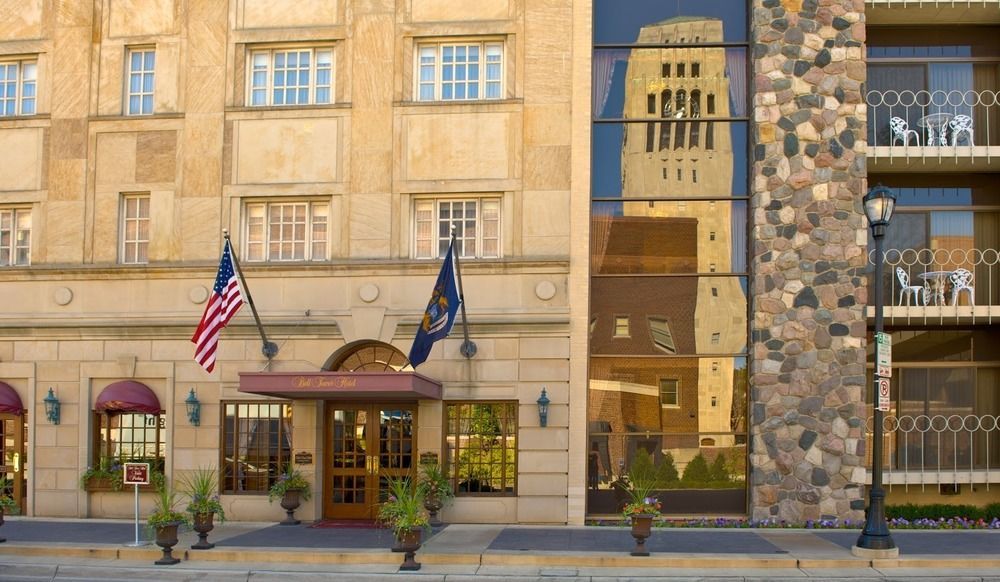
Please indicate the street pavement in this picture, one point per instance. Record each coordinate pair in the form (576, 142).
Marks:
(98, 550)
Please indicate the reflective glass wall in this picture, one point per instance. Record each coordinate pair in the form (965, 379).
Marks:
(668, 326)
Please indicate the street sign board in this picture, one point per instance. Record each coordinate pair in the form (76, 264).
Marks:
(136, 474)
(883, 355)
(882, 389)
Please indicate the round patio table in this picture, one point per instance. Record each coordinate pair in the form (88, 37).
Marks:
(937, 280)
(937, 127)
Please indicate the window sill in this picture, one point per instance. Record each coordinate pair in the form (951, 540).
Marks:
(153, 116)
(468, 105)
(286, 108)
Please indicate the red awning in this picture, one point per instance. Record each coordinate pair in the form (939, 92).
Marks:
(341, 385)
(128, 396)
(10, 402)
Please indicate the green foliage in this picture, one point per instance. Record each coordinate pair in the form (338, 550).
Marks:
(111, 470)
(718, 471)
(404, 507)
(642, 479)
(912, 512)
(165, 510)
(7, 503)
(666, 471)
(435, 482)
(290, 479)
(202, 485)
(696, 470)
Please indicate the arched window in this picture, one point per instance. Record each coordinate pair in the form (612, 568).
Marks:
(695, 103)
(708, 442)
(681, 103)
(367, 356)
(665, 126)
(130, 426)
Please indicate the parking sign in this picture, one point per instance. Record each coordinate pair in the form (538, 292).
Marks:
(882, 387)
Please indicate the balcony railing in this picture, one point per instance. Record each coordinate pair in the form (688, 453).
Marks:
(959, 285)
(936, 449)
(933, 124)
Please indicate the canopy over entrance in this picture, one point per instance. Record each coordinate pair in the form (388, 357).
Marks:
(10, 402)
(341, 385)
(128, 396)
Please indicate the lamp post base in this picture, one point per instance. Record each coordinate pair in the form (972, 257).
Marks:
(875, 554)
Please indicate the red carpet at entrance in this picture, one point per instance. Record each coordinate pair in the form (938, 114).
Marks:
(346, 523)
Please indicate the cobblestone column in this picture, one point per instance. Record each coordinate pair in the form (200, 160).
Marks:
(808, 261)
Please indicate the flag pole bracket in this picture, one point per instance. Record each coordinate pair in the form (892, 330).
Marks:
(269, 349)
(468, 348)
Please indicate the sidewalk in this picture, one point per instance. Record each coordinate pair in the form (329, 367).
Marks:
(42, 549)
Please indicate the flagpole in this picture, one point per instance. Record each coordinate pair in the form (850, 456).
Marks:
(269, 349)
(468, 348)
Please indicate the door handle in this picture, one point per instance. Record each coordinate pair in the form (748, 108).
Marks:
(17, 462)
(375, 464)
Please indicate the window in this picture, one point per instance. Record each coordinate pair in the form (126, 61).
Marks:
(680, 69)
(666, 69)
(460, 71)
(15, 237)
(662, 338)
(481, 441)
(18, 85)
(286, 231)
(476, 222)
(621, 326)
(694, 140)
(695, 69)
(135, 229)
(130, 436)
(711, 235)
(294, 76)
(139, 93)
(715, 338)
(256, 445)
(715, 291)
(669, 394)
(715, 401)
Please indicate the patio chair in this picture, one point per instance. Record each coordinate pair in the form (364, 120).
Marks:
(900, 130)
(918, 292)
(958, 125)
(961, 280)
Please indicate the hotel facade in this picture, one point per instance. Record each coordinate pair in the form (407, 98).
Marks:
(657, 209)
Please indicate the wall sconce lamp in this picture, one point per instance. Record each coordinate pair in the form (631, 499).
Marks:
(193, 409)
(51, 407)
(543, 409)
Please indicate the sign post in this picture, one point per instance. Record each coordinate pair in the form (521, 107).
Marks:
(136, 474)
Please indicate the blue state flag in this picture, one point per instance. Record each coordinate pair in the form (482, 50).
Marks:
(441, 311)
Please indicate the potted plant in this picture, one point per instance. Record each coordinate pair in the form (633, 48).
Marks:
(202, 485)
(437, 490)
(165, 521)
(108, 475)
(642, 506)
(292, 489)
(7, 503)
(404, 513)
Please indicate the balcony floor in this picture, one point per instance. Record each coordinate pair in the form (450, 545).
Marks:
(933, 158)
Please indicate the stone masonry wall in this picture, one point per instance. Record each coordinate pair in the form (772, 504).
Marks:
(809, 237)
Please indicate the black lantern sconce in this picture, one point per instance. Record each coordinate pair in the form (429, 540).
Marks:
(543, 409)
(193, 409)
(51, 407)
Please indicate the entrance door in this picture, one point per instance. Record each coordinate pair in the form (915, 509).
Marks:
(12, 455)
(365, 443)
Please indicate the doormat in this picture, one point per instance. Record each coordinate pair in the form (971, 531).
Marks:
(346, 524)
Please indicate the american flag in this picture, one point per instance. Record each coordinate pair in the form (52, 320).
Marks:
(222, 306)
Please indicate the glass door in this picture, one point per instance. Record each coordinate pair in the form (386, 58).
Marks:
(13, 456)
(366, 444)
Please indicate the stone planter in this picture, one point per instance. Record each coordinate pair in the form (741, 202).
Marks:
(166, 538)
(409, 542)
(433, 504)
(290, 501)
(642, 528)
(203, 523)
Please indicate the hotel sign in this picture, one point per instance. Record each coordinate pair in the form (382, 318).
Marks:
(136, 474)
(324, 382)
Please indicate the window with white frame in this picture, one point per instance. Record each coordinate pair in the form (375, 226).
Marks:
(15, 237)
(135, 229)
(291, 76)
(670, 392)
(18, 83)
(139, 90)
(459, 71)
(663, 339)
(286, 231)
(476, 222)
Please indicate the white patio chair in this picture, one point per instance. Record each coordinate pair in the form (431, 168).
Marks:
(958, 125)
(961, 280)
(912, 292)
(900, 130)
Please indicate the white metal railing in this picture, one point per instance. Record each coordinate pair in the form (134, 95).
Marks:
(933, 449)
(922, 124)
(941, 283)
(937, 3)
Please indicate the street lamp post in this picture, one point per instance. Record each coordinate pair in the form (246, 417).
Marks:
(879, 204)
